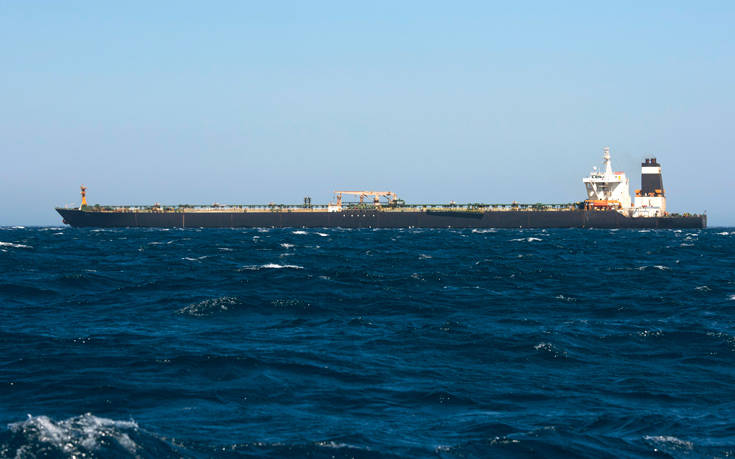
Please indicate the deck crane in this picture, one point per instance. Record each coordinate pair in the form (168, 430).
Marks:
(391, 196)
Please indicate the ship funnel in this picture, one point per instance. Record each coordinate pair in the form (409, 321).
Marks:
(651, 181)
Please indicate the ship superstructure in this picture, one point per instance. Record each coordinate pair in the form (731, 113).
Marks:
(607, 189)
(611, 190)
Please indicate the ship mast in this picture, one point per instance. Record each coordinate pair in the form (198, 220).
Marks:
(606, 160)
(84, 196)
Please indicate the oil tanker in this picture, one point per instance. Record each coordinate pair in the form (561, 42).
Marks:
(608, 204)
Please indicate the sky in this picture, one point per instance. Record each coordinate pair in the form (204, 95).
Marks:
(257, 102)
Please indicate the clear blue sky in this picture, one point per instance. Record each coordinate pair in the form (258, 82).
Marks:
(252, 102)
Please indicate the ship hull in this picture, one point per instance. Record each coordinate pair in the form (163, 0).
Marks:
(376, 219)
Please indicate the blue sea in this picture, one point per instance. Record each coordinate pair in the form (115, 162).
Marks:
(367, 343)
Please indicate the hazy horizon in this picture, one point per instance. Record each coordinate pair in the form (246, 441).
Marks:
(255, 103)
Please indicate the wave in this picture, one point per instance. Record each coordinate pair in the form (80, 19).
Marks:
(659, 267)
(79, 436)
(550, 350)
(209, 306)
(270, 266)
(527, 239)
(299, 232)
(14, 245)
(286, 245)
(669, 444)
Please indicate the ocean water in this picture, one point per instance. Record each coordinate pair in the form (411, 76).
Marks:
(367, 343)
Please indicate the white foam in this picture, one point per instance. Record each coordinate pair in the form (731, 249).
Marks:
(286, 245)
(659, 267)
(74, 435)
(322, 234)
(14, 245)
(483, 231)
(208, 307)
(299, 232)
(271, 266)
(732, 297)
(670, 441)
(724, 233)
(423, 256)
(550, 349)
(526, 239)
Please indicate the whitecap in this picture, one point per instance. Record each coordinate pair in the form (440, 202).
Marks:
(76, 436)
(483, 231)
(668, 441)
(724, 233)
(322, 234)
(526, 239)
(14, 245)
(286, 245)
(659, 267)
(703, 288)
(190, 259)
(423, 256)
(270, 266)
(550, 349)
(299, 232)
(732, 297)
(208, 307)
(647, 333)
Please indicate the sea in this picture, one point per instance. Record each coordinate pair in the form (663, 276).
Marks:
(328, 342)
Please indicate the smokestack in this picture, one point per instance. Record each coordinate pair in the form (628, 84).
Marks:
(651, 182)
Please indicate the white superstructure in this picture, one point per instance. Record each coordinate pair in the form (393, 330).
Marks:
(611, 190)
(607, 188)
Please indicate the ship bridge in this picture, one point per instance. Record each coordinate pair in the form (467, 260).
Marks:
(607, 189)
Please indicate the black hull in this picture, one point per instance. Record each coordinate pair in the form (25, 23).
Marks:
(376, 219)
